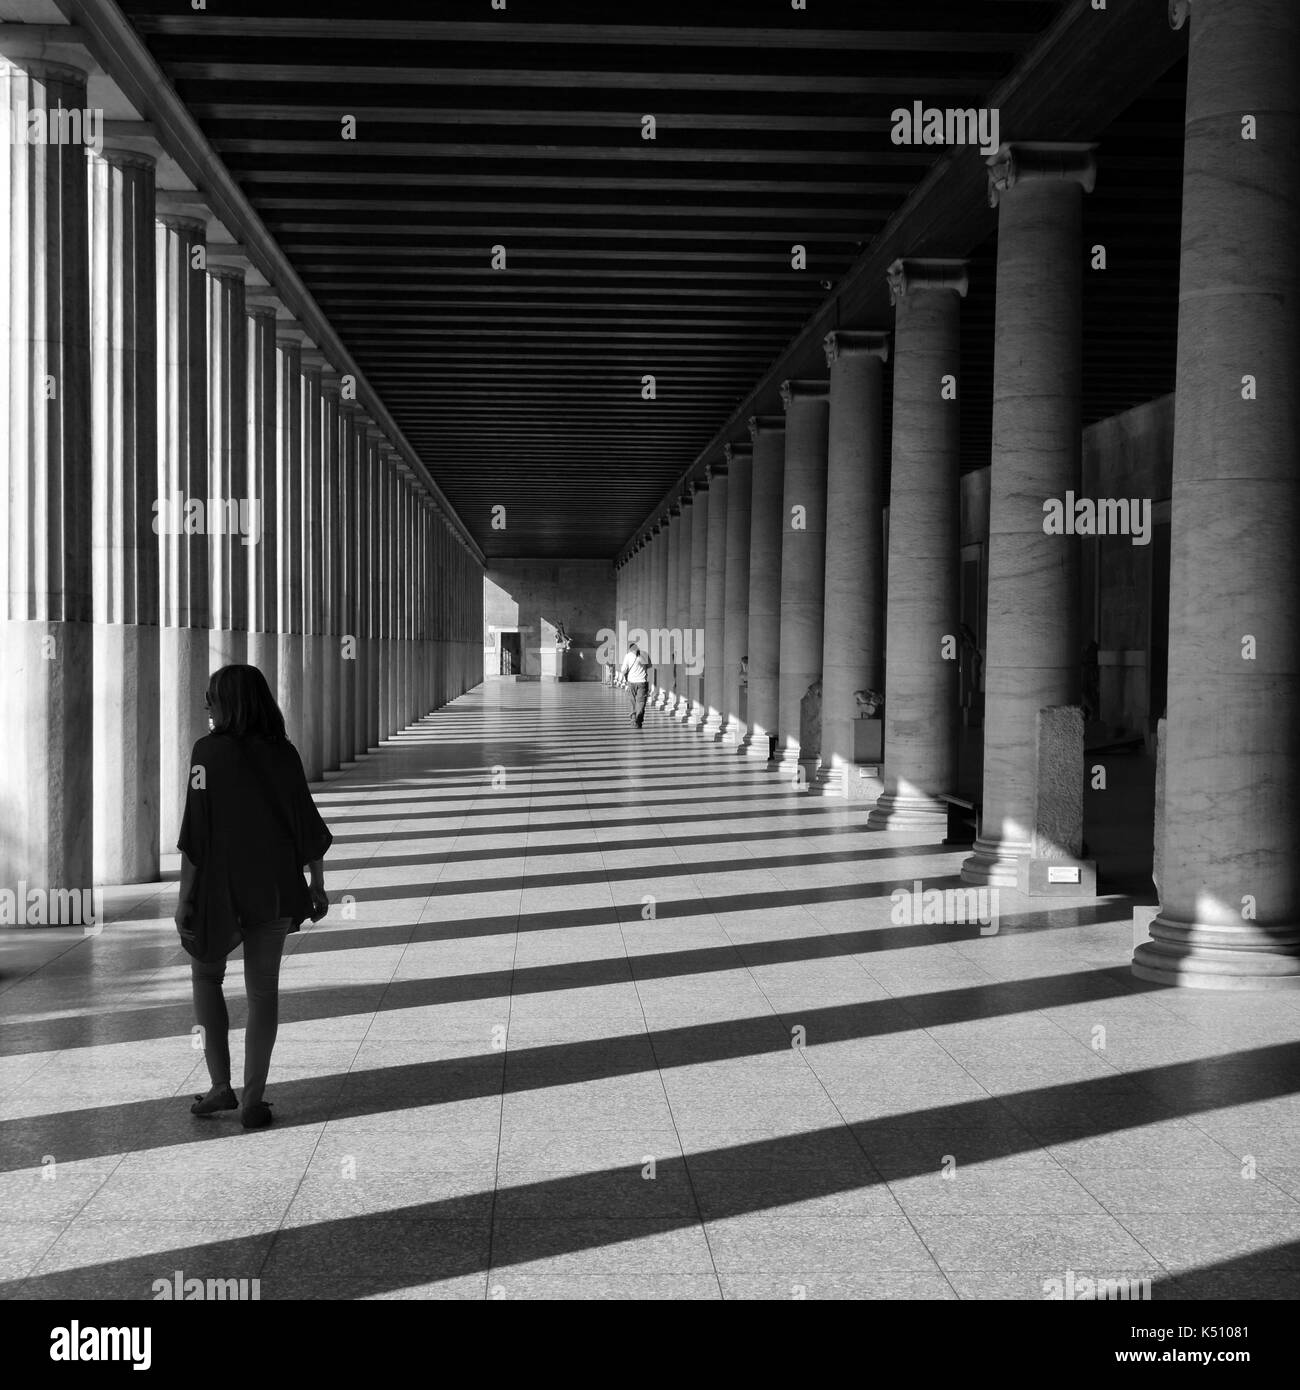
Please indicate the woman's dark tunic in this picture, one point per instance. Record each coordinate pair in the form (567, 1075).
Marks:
(250, 859)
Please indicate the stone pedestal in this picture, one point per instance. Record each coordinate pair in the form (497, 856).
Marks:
(1033, 599)
(1054, 865)
(803, 564)
(1230, 874)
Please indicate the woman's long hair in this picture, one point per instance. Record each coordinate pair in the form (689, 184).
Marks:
(248, 709)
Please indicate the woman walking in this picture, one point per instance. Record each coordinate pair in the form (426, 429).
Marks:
(250, 826)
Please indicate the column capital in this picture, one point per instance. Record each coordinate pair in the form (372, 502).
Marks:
(674, 510)
(1178, 13)
(699, 485)
(855, 343)
(47, 51)
(908, 274)
(686, 499)
(765, 424)
(314, 360)
(738, 451)
(1022, 161)
(716, 469)
(792, 391)
(228, 258)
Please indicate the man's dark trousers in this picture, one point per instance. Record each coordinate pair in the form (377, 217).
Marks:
(639, 691)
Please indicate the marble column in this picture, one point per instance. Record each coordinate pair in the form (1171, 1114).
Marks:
(124, 454)
(366, 673)
(1034, 653)
(1230, 881)
(767, 496)
(735, 639)
(692, 642)
(660, 647)
(664, 646)
(289, 508)
(698, 711)
(672, 647)
(853, 631)
(923, 618)
(182, 311)
(803, 566)
(715, 603)
(232, 531)
(263, 491)
(331, 563)
(312, 747)
(349, 537)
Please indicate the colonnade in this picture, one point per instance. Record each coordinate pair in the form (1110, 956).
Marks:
(186, 482)
(792, 582)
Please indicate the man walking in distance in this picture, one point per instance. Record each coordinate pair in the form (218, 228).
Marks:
(636, 670)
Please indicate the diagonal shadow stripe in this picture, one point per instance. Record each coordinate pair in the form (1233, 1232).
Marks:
(82, 1133)
(300, 1005)
(416, 1244)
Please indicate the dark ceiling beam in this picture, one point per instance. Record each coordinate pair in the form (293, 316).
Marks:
(1075, 80)
(350, 75)
(208, 26)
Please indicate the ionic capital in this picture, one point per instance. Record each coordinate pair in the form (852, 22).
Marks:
(698, 485)
(909, 275)
(765, 424)
(47, 52)
(716, 469)
(1023, 161)
(674, 511)
(792, 391)
(741, 452)
(855, 344)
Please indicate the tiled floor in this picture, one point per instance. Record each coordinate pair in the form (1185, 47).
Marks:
(615, 1014)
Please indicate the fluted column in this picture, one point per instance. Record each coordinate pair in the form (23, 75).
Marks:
(672, 646)
(312, 747)
(680, 706)
(659, 648)
(765, 524)
(923, 619)
(289, 447)
(263, 491)
(715, 603)
(331, 664)
(735, 639)
(237, 528)
(124, 450)
(367, 670)
(1230, 884)
(699, 595)
(853, 633)
(803, 562)
(346, 597)
(1033, 619)
(182, 473)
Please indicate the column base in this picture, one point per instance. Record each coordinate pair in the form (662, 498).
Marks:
(1203, 956)
(757, 747)
(995, 863)
(893, 811)
(715, 726)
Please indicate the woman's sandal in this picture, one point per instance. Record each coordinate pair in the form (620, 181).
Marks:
(257, 1115)
(216, 1099)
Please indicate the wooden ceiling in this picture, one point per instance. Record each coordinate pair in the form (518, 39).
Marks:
(626, 257)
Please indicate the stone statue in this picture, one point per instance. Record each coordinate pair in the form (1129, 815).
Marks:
(744, 670)
(562, 639)
(810, 721)
(869, 702)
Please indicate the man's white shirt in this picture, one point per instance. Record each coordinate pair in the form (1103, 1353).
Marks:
(635, 668)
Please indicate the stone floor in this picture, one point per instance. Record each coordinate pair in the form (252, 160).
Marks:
(607, 1013)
